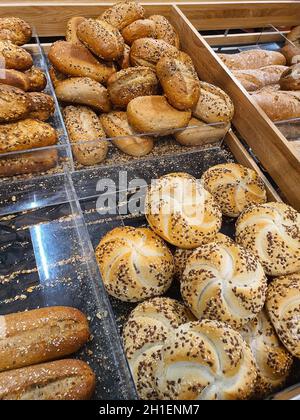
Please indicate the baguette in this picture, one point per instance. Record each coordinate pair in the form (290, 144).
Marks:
(165, 31)
(14, 57)
(83, 125)
(14, 104)
(123, 13)
(14, 78)
(37, 79)
(42, 106)
(199, 133)
(71, 32)
(290, 79)
(60, 380)
(28, 163)
(142, 28)
(252, 59)
(32, 337)
(279, 105)
(26, 134)
(15, 30)
(258, 78)
(147, 52)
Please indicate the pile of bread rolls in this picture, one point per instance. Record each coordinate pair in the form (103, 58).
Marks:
(123, 74)
(24, 108)
(30, 345)
(237, 331)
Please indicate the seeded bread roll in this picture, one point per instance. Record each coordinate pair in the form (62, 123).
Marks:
(165, 31)
(214, 105)
(234, 187)
(104, 40)
(205, 360)
(29, 163)
(60, 380)
(283, 306)
(290, 79)
(252, 59)
(135, 264)
(153, 114)
(42, 106)
(182, 212)
(148, 51)
(147, 328)
(37, 79)
(128, 84)
(123, 13)
(14, 78)
(83, 91)
(124, 61)
(256, 79)
(115, 124)
(71, 32)
(83, 126)
(199, 133)
(179, 81)
(272, 232)
(32, 337)
(273, 361)
(77, 61)
(14, 104)
(14, 57)
(15, 30)
(142, 28)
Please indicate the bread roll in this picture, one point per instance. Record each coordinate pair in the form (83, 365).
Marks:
(252, 59)
(258, 78)
(278, 106)
(180, 83)
(179, 210)
(273, 362)
(40, 335)
(165, 31)
(71, 32)
(29, 163)
(124, 61)
(153, 114)
(26, 134)
(291, 53)
(83, 126)
(290, 79)
(272, 232)
(142, 28)
(147, 328)
(37, 79)
(15, 30)
(199, 133)
(294, 36)
(135, 264)
(60, 380)
(14, 78)
(214, 105)
(14, 57)
(14, 104)
(77, 61)
(42, 106)
(205, 360)
(147, 52)
(56, 76)
(115, 124)
(123, 13)
(104, 40)
(283, 306)
(234, 187)
(83, 91)
(128, 84)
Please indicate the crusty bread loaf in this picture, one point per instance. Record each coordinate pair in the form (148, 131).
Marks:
(153, 114)
(165, 31)
(214, 105)
(60, 380)
(182, 212)
(78, 61)
(290, 79)
(42, 106)
(130, 83)
(135, 264)
(37, 79)
(252, 59)
(123, 13)
(273, 361)
(256, 79)
(147, 328)
(103, 39)
(148, 51)
(142, 28)
(115, 124)
(199, 133)
(40, 335)
(28, 163)
(71, 31)
(291, 53)
(26, 134)
(83, 91)
(14, 57)
(234, 187)
(14, 78)
(205, 360)
(15, 30)
(179, 81)
(283, 306)
(84, 127)
(14, 104)
(278, 106)
(124, 61)
(271, 232)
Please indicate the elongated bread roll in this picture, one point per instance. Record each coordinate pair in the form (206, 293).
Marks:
(148, 51)
(165, 31)
(123, 13)
(258, 78)
(198, 133)
(26, 134)
(15, 30)
(14, 57)
(281, 105)
(252, 59)
(14, 104)
(115, 124)
(29, 163)
(37, 79)
(83, 126)
(14, 78)
(40, 335)
(290, 79)
(42, 106)
(142, 28)
(71, 32)
(78, 61)
(60, 380)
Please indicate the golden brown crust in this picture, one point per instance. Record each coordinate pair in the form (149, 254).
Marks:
(281, 105)
(71, 31)
(60, 380)
(37, 79)
(291, 53)
(165, 31)
(42, 106)
(252, 59)
(14, 57)
(14, 104)
(123, 13)
(56, 76)
(258, 78)
(148, 51)
(142, 28)
(15, 30)
(294, 36)
(199, 133)
(14, 78)
(290, 79)
(28, 163)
